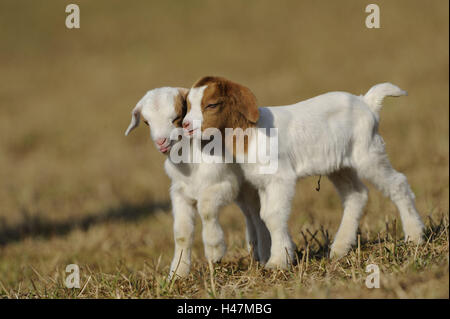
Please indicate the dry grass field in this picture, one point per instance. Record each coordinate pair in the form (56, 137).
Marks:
(74, 189)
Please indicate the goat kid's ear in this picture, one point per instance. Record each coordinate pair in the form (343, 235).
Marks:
(183, 92)
(135, 117)
(181, 103)
(246, 101)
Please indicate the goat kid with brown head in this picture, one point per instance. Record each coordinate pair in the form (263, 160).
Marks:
(198, 187)
(334, 134)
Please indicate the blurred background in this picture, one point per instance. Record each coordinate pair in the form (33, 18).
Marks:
(73, 188)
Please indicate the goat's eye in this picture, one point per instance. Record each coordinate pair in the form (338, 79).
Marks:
(213, 105)
(176, 119)
(146, 123)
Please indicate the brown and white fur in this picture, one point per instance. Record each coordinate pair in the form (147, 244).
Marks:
(334, 134)
(202, 187)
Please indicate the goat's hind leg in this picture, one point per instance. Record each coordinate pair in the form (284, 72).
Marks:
(353, 194)
(257, 235)
(378, 170)
(251, 235)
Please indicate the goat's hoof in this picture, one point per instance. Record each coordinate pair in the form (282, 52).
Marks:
(273, 263)
(177, 275)
(414, 232)
(179, 270)
(215, 253)
(339, 251)
(416, 238)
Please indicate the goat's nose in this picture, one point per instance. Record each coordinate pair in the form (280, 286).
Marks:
(186, 124)
(160, 141)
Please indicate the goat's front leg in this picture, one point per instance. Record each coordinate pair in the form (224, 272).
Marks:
(183, 229)
(276, 201)
(209, 205)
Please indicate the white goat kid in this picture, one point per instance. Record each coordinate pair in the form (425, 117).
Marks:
(202, 187)
(334, 134)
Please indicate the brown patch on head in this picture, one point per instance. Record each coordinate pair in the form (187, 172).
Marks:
(206, 80)
(180, 106)
(226, 104)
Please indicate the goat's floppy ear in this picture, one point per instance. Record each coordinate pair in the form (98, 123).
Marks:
(183, 92)
(246, 101)
(135, 117)
(181, 102)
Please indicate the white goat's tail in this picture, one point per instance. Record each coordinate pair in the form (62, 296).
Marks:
(374, 97)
